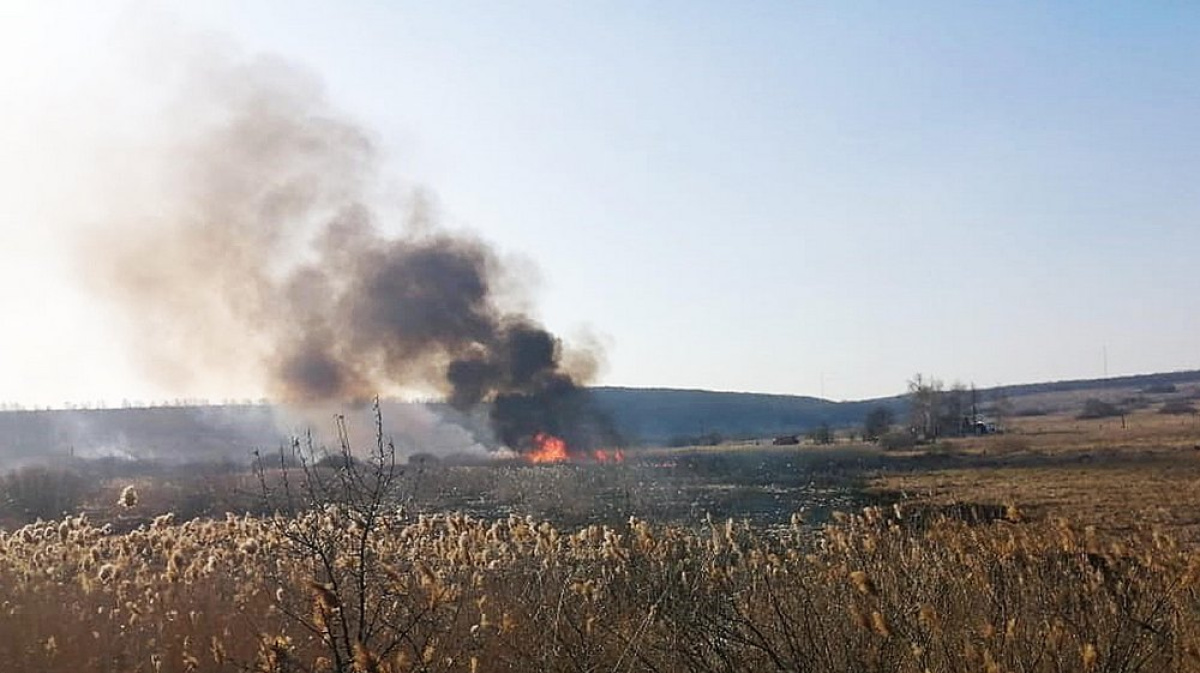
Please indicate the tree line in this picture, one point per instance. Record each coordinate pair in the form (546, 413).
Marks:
(936, 412)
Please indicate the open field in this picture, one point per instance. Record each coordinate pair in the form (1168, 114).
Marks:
(1096, 472)
(1061, 545)
(1108, 473)
(762, 485)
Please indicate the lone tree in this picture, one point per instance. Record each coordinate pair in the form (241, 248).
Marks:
(925, 406)
(1002, 407)
(822, 434)
(957, 415)
(878, 422)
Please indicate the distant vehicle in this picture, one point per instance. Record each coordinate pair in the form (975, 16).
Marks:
(986, 426)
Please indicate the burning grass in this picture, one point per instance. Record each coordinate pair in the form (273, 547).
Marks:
(547, 449)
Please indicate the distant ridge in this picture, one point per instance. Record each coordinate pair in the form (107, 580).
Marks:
(658, 415)
(665, 415)
(706, 391)
(643, 415)
(1126, 381)
(1013, 389)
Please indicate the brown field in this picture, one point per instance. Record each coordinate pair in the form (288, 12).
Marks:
(1076, 551)
(1094, 472)
(336, 591)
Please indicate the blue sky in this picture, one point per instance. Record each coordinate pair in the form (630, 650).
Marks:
(779, 197)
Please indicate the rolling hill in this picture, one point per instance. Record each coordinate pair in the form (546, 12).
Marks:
(645, 416)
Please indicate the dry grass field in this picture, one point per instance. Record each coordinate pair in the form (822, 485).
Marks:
(1114, 475)
(331, 590)
(1085, 558)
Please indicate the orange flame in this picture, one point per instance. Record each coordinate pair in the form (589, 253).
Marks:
(615, 456)
(547, 449)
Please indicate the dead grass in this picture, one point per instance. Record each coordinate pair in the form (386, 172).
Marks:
(1095, 472)
(1090, 562)
(876, 592)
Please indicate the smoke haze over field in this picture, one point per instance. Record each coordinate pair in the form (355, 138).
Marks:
(257, 251)
(819, 200)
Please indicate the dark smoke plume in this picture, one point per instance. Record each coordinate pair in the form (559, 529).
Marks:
(255, 253)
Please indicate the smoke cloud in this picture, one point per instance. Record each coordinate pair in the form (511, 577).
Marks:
(255, 252)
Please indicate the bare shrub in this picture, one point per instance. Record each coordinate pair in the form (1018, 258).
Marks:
(1177, 408)
(878, 422)
(1097, 408)
(897, 441)
(331, 516)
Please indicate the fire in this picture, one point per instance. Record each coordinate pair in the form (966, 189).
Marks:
(547, 449)
(614, 456)
(550, 449)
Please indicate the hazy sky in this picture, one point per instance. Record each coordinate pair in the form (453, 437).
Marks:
(778, 197)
